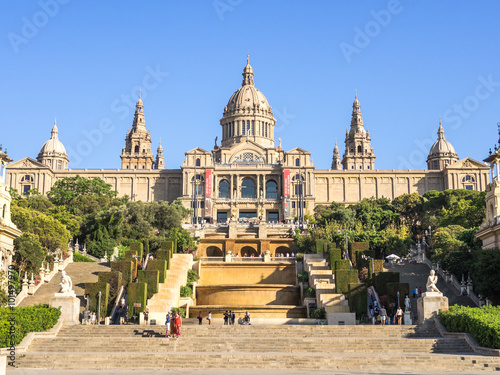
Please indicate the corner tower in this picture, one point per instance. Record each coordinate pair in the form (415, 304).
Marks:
(336, 164)
(358, 152)
(442, 153)
(137, 152)
(248, 115)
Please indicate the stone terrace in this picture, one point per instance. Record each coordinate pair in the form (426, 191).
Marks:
(374, 348)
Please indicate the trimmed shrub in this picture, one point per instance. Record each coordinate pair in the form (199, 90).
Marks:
(93, 289)
(159, 265)
(355, 248)
(342, 265)
(77, 257)
(151, 278)
(343, 278)
(179, 310)
(137, 248)
(317, 314)
(358, 296)
(381, 279)
(126, 267)
(137, 293)
(115, 281)
(321, 246)
(38, 318)
(482, 323)
(310, 293)
(392, 293)
(333, 255)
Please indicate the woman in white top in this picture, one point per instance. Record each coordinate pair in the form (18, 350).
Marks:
(209, 318)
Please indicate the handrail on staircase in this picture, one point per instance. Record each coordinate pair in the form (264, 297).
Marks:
(117, 301)
(374, 294)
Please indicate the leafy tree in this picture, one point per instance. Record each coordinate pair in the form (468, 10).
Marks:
(485, 273)
(409, 206)
(68, 192)
(50, 232)
(29, 253)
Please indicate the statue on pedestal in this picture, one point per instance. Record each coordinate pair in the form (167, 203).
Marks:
(431, 282)
(407, 303)
(66, 285)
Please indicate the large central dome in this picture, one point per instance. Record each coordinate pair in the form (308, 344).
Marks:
(248, 115)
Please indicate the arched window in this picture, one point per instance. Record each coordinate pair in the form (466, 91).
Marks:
(248, 188)
(360, 150)
(198, 162)
(469, 179)
(198, 184)
(271, 189)
(4, 211)
(136, 149)
(297, 162)
(224, 189)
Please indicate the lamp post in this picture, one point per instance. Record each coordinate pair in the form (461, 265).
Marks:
(398, 299)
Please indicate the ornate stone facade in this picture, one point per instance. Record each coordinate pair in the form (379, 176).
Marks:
(248, 176)
(8, 231)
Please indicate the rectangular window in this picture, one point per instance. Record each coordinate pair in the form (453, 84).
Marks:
(252, 129)
(469, 187)
(262, 129)
(265, 128)
(232, 129)
(243, 127)
(248, 127)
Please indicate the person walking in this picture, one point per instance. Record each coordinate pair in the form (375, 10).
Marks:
(178, 324)
(146, 316)
(226, 317)
(383, 315)
(233, 318)
(209, 318)
(200, 318)
(167, 324)
(399, 315)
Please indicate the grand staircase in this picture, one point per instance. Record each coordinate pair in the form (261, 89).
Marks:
(169, 291)
(373, 348)
(321, 278)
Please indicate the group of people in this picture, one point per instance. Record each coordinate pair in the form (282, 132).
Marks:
(382, 317)
(173, 323)
(229, 318)
(287, 255)
(417, 292)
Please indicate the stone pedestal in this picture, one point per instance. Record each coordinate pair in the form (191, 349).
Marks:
(70, 306)
(407, 319)
(429, 304)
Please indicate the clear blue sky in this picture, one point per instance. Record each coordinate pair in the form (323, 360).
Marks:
(410, 61)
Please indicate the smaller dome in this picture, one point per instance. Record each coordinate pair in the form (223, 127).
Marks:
(442, 147)
(53, 145)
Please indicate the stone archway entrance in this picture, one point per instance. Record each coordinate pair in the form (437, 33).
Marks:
(214, 251)
(283, 251)
(248, 251)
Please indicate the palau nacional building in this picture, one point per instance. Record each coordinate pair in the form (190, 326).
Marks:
(249, 175)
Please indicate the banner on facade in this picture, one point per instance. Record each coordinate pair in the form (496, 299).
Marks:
(286, 190)
(208, 193)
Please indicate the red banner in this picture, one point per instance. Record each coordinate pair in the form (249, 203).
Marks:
(287, 182)
(208, 183)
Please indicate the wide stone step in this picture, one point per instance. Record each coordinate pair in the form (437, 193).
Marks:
(232, 361)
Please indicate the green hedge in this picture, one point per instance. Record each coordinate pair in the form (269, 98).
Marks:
(333, 255)
(159, 265)
(126, 267)
(355, 248)
(482, 323)
(38, 318)
(137, 293)
(93, 289)
(342, 265)
(137, 248)
(166, 251)
(392, 293)
(115, 281)
(151, 278)
(77, 257)
(358, 297)
(343, 278)
(381, 279)
(321, 246)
